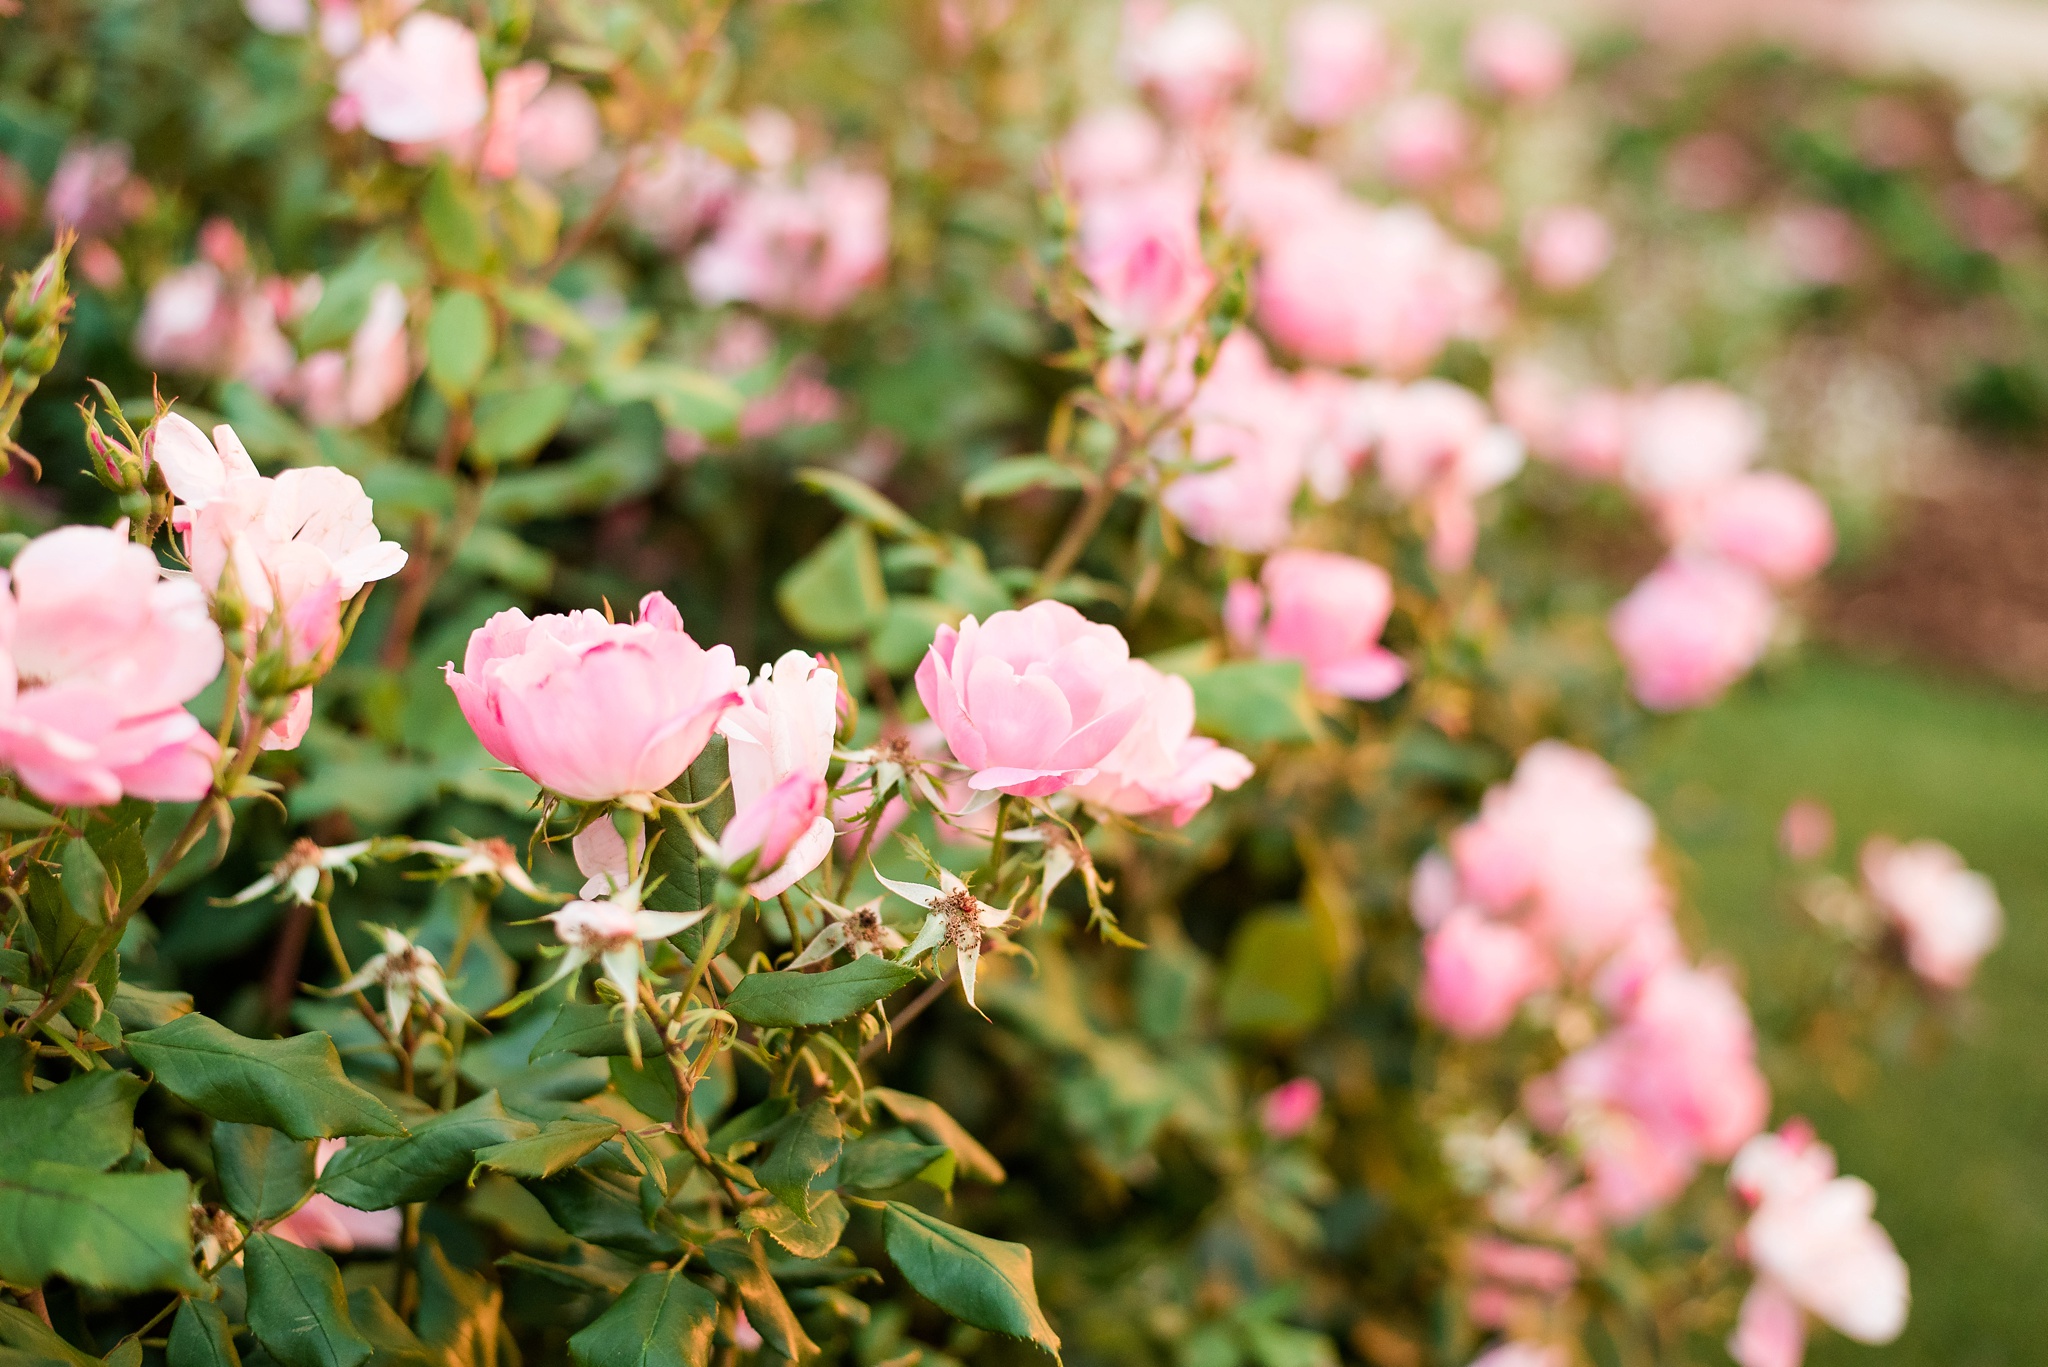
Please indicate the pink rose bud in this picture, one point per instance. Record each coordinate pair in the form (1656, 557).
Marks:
(1807, 831)
(769, 828)
(1518, 57)
(1141, 249)
(1477, 972)
(422, 84)
(1291, 1108)
(1338, 61)
(324, 1222)
(1948, 914)
(783, 728)
(1423, 139)
(1327, 610)
(1689, 630)
(1033, 699)
(591, 709)
(1567, 249)
(1768, 522)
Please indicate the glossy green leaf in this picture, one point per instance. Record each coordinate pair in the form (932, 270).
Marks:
(454, 220)
(742, 1262)
(262, 1173)
(145, 1008)
(663, 1320)
(461, 340)
(86, 885)
(789, 999)
(88, 1122)
(884, 1160)
(1015, 475)
(556, 1147)
(803, 1237)
(35, 1344)
(595, 1030)
(980, 1281)
(603, 1212)
(297, 1308)
(376, 1174)
(1253, 701)
(836, 592)
(931, 1120)
(295, 1085)
(392, 1341)
(808, 1145)
(512, 424)
(112, 1231)
(861, 501)
(201, 1337)
(16, 815)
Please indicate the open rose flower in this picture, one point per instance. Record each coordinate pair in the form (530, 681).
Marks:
(1518, 57)
(592, 709)
(1193, 61)
(1325, 610)
(1033, 699)
(1161, 765)
(783, 727)
(1690, 629)
(422, 83)
(1141, 250)
(1338, 61)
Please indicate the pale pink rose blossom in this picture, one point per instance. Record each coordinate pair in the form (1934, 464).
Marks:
(1440, 448)
(1033, 699)
(1161, 765)
(1817, 244)
(1765, 521)
(1770, 1329)
(94, 190)
(422, 84)
(675, 190)
(1245, 417)
(1141, 250)
(1690, 629)
(1518, 57)
(591, 709)
(1544, 1270)
(1348, 416)
(805, 249)
(1477, 972)
(772, 137)
(559, 133)
(99, 653)
(280, 16)
(1688, 437)
(1947, 913)
(1289, 1109)
(512, 92)
(1268, 194)
(1193, 61)
(1423, 139)
(1161, 376)
(1338, 61)
(771, 828)
(1568, 248)
(1327, 611)
(783, 726)
(1108, 148)
(188, 322)
(323, 1222)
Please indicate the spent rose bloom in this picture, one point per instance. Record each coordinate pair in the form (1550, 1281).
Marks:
(1325, 610)
(1245, 417)
(1567, 248)
(99, 653)
(423, 83)
(324, 1222)
(805, 249)
(953, 916)
(1141, 249)
(1033, 699)
(592, 709)
(783, 727)
(1766, 521)
(1107, 148)
(1338, 61)
(1690, 629)
(1947, 913)
(1193, 61)
(1289, 1109)
(1517, 57)
(610, 933)
(1161, 765)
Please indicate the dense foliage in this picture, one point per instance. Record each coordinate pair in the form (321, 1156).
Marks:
(1161, 900)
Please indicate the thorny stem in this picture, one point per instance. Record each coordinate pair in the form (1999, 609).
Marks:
(796, 935)
(686, 1087)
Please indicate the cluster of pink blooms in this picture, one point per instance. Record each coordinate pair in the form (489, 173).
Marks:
(1705, 616)
(1946, 913)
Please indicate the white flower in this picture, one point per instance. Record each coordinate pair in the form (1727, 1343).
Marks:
(955, 917)
(860, 930)
(298, 873)
(491, 857)
(406, 972)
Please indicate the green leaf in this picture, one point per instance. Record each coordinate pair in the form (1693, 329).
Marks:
(16, 815)
(906, 631)
(88, 1122)
(756, 1122)
(979, 1281)
(808, 1144)
(512, 424)
(295, 1085)
(582, 1277)
(86, 886)
(345, 295)
(548, 311)
(1253, 701)
(1015, 475)
(931, 1120)
(811, 1237)
(64, 941)
(377, 1174)
(884, 1160)
(144, 1008)
(119, 845)
(687, 399)
(836, 592)
(262, 1173)
(790, 999)
(297, 1308)
(35, 1343)
(861, 501)
(742, 1262)
(460, 342)
(602, 1212)
(687, 882)
(454, 221)
(663, 1320)
(112, 1231)
(392, 1341)
(594, 1030)
(200, 1337)
(560, 1145)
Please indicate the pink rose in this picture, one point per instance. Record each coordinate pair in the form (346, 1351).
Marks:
(1108, 148)
(337, 390)
(1245, 417)
(324, 1222)
(422, 84)
(1141, 249)
(590, 709)
(1289, 1109)
(559, 133)
(1161, 765)
(98, 655)
(1327, 611)
(1689, 630)
(1948, 914)
(1033, 699)
(1439, 447)
(1268, 194)
(783, 728)
(1689, 437)
(1765, 521)
(1347, 416)
(1518, 57)
(675, 189)
(1423, 139)
(1770, 1329)
(1567, 248)
(1193, 61)
(1338, 62)
(1806, 832)
(804, 249)
(280, 16)
(94, 190)
(1477, 972)
(512, 93)
(771, 827)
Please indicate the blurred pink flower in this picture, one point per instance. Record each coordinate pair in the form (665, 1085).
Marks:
(1477, 972)
(351, 390)
(1567, 248)
(513, 94)
(1690, 437)
(1440, 447)
(422, 84)
(783, 726)
(1765, 521)
(1193, 61)
(1518, 57)
(93, 190)
(558, 133)
(675, 190)
(591, 709)
(805, 249)
(1347, 417)
(1034, 699)
(324, 1222)
(1423, 139)
(1947, 913)
(1807, 830)
(1709, 172)
(1327, 611)
(1817, 244)
(1289, 1109)
(1161, 765)
(1108, 148)
(1269, 194)
(1141, 249)
(1585, 431)
(1245, 416)
(1161, 376)
(188, 322)
(99, 653)
(280, 16)
(1690, 629)
(1522, 1355)
(1338, 61)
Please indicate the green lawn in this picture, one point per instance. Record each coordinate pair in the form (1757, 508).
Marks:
(1957, 1147)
